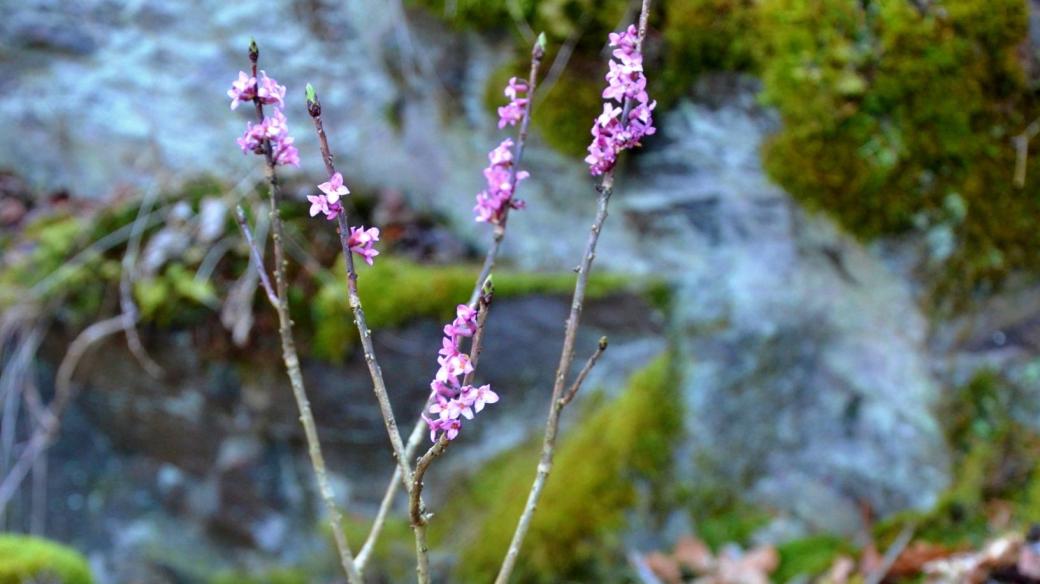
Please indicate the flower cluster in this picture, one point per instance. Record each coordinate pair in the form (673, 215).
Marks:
(513, 112)
(273, 128)
(613, 131)
(451, 400)
(362, 242)
(327, 202)
(497, 198)
(247, 89)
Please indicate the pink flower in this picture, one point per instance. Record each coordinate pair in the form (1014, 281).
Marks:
(513, 112)
(269, 92)
(320, 204)
(362, 242)
(625, 83)
(334, 188)
(497, 198)
(243, 89)
(274, 129)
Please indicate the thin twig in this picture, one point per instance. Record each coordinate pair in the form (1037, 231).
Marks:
(254, 254)
(417, 512)
(545, 461)
(567, 397)
(289, 355)
(374, 370)
(891, 555)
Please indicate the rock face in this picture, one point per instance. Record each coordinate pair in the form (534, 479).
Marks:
(808, 376)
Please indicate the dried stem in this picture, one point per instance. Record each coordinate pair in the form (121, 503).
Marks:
(289, 355)
(1021, 142)
(63, 394)
(556, 404)
(567, 397)
(126, 300)
(375, 372)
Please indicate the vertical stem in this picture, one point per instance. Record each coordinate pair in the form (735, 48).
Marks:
(557, 404)
(374, 370)
(292, 360)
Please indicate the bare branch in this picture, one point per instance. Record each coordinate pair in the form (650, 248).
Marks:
(566, 399)
(254, 251)
(289, 355)
(416, 510)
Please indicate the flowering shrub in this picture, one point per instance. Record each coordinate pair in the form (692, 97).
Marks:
(453, 397)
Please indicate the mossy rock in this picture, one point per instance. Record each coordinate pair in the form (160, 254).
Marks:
(396, 291)
(574, 535)
(24, 560)
(891, 110)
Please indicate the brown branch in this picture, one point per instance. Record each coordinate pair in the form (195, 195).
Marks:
(567, 397)
(290, 356)
(417, 511)
(545, 461)
(375, 372)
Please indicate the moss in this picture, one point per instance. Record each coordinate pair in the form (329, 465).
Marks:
(276, 576)
(809, 556)
(396, 291)
(28, 559)
(890, 109)
(726, 521)
(574, 536)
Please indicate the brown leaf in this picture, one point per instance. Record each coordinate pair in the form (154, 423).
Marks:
(664, 567)
(694, 554)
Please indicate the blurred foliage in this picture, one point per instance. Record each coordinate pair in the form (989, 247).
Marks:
(622, 446)
(25, 559)
(274, 576)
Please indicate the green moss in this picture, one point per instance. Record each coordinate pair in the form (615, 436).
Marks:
(276, 576)
(809, 556)
(395, 291)
(564, 116)
(889, 110)
(28, 559)
(701, 36)
(574, 535)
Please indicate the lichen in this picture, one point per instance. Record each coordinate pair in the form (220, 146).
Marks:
(597, 470)
(26, 559)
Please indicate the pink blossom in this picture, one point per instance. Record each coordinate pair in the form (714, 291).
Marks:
(493, 201)
(613, 131)
(321, 204)
(362, 242)
(269, 92)
(334, 188)
(274, 129)
(450, 400)
(243, 89)
(513, 112)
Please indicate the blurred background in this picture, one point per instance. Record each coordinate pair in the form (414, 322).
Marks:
(819, 279)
